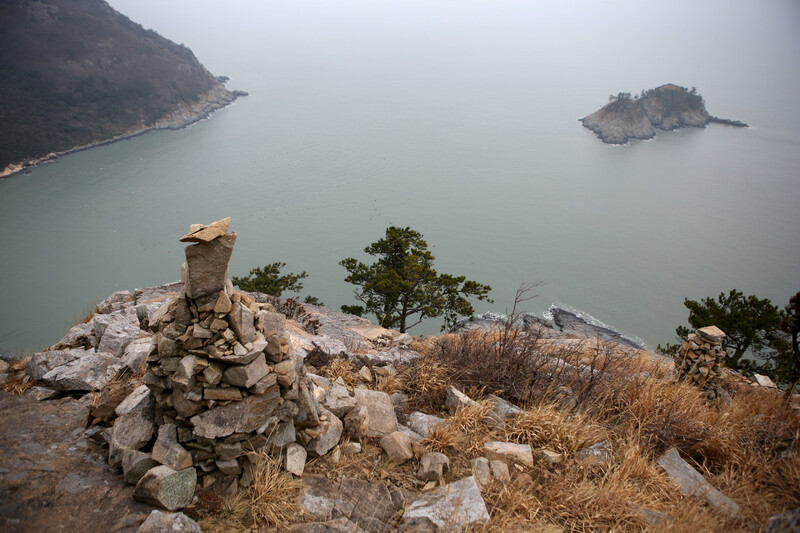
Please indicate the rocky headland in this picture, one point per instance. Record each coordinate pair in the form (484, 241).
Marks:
(667, 108)
(77, 74)
(195, 406)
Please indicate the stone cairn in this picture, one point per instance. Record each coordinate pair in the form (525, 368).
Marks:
(222, 377)
(700, 358)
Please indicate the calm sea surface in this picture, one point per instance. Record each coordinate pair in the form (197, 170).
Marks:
(458, 119)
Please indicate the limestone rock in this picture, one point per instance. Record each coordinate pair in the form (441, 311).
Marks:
(452, 507)
(786, 522)
(207, 266)
(481, 471)
(397, 446)
(89, 373)
(712, 334)
(457, 400)
(141, 399)
(502, 407)
(134, 358)
(241, 321)
(764, 381)
(79, 336)
(295, 459)
(432, 466)
(422, 423)
(238, 417)
(131, 431)
(159, 522)
(207, 233)
(410, 433)
(510, 451)
(691, 483)
(168, 452)
(41, 393)
(500, 471)
(167, 488)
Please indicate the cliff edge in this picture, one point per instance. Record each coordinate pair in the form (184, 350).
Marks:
(667, 108)
(77, 73)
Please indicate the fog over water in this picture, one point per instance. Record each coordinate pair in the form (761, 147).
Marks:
(458, 119)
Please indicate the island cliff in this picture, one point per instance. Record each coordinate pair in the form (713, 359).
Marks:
(668, 107)
(77, 73)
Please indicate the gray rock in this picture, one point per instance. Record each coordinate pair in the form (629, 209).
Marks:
(134, 358)
(691, 483)
(41, 393)
(432, 466)
(115, 302)
(457, 400)
(116, 330)
(500, 471)
(323, 500)
(78, 336)
(295, 459)
(397, 446)
(241, 321)
(597, 454)
(89, 373)
(135, 464)
(269, 323)
(329, 346)
(502, 407)
(452, 507)
(764, 381)
(330, 431)
(337, 525)
(338, 400)
(481, 471)
(43, 362)
(167, 488)
(207, 266)
(238, 417)
(168, 452)
(134, 426)
(410, 433)
(509, 451)
(159, 522)
(246, 376)
(375, 415)
(422, 423)
(397, 355)
(786, 522)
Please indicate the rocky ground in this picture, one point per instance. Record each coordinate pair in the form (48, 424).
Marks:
(249, 412)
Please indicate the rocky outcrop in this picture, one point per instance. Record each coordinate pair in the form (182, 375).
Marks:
(667, 108)
(79, 74)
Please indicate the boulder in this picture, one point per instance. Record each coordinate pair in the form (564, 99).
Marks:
(338, 400)
(509, 451)
(116, 330)
(397, 446)
(79, 336)
(167, 488)
(432, 466)
(237, 417)
(141, 399)
(89, 373)
(168, 452)
(131, 431)
(159, 522)
(374, 415)
(452, 507)
(691, 483)
(43, 362)
(503, 408)
(207, 266)
(422, 423)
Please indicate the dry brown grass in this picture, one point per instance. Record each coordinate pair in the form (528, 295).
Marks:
(18, 382)
(341, 368)
(270, 501)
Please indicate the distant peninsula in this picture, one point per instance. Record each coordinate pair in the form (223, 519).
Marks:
(76, 73)
(668, 107)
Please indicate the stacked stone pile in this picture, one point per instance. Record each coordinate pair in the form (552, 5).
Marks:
(701, 358)
(222, 380)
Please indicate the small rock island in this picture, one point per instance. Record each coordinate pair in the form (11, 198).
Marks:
(667, 108)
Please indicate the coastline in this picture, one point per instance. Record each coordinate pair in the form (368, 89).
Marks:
(215, 99)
